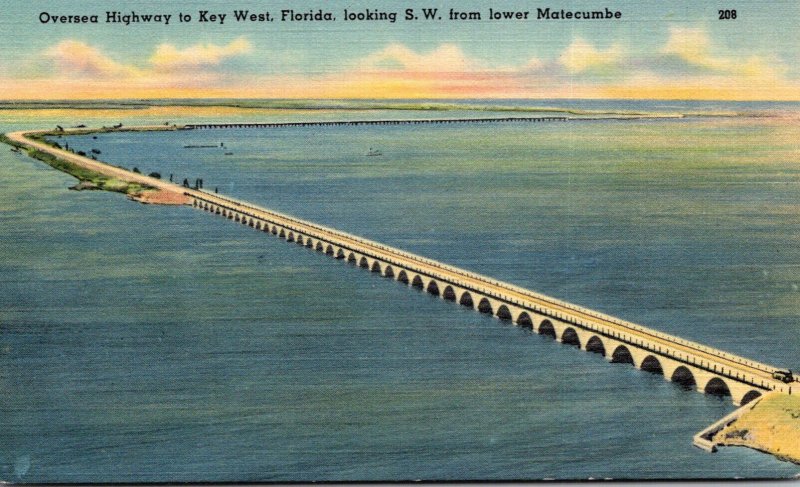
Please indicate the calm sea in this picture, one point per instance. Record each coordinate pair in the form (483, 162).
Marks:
(147, 343)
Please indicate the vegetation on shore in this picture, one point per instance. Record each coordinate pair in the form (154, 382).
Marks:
(771, 426)
(93, 178)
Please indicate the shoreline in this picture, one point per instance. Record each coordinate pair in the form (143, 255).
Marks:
(97, 175)
(771, 425)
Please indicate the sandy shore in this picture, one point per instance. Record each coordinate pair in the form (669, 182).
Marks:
(158, 197)
(146, 190)
(771, 426)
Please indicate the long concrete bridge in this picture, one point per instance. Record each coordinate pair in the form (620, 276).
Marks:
(427, 121)
(692, 364)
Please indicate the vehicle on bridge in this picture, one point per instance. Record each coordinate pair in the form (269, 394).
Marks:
(784, 376)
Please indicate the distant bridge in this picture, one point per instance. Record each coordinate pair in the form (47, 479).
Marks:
(694, 365)
(228, 125)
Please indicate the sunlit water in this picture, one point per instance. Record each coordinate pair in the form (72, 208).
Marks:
(146, 343)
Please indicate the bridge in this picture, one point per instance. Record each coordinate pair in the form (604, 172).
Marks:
(691, 364)
(427, 121)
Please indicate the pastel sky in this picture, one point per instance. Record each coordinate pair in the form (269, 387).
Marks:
(665, 50)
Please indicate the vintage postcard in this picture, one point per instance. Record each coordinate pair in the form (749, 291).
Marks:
(306, 241)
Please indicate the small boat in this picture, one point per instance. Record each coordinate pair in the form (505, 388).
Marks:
(15, 149)
(199, 146)
(374, 152)
(96, 151)
(229, 153)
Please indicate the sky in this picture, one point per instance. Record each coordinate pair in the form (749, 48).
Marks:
(656, 50)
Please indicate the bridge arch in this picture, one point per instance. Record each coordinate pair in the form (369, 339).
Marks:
(282, 233)
(717, 387)
(652, 364)
(595, 345)
(290, 237)
(524, 320)
(570, 337)
(329, 250)
(466, 300)
(504, 313)
(417, 282)
(274, 229)
(299, 239)
(376, 266)
(449, 294)
(622, 355)
(546, 328)
(310, 243)
(363, 263)
(485, 306)
(684, 377)
(351, 258)
(340, 254)
(258, 225)
(319, 247)
(402, 277)
(225, 213)
(750, 396)
(388, 271)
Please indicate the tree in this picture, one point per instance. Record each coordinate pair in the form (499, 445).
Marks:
(185, 183)
(136, 170)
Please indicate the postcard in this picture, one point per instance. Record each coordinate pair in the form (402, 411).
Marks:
(384, 241)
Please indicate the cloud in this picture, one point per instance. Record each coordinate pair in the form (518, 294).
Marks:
(687, 65)
(78, 59)
(167, 57)
(581, 56)
(693, 46)
(445, 58)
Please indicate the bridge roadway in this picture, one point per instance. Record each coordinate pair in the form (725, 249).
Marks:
(704, 368)
(692, 364)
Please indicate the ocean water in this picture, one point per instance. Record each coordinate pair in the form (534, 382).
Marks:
(146, 343)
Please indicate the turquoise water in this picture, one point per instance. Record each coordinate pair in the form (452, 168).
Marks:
(144, 343)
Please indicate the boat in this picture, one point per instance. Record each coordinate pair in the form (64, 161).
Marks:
(374, 152)
(96, 151)
(15, 149)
